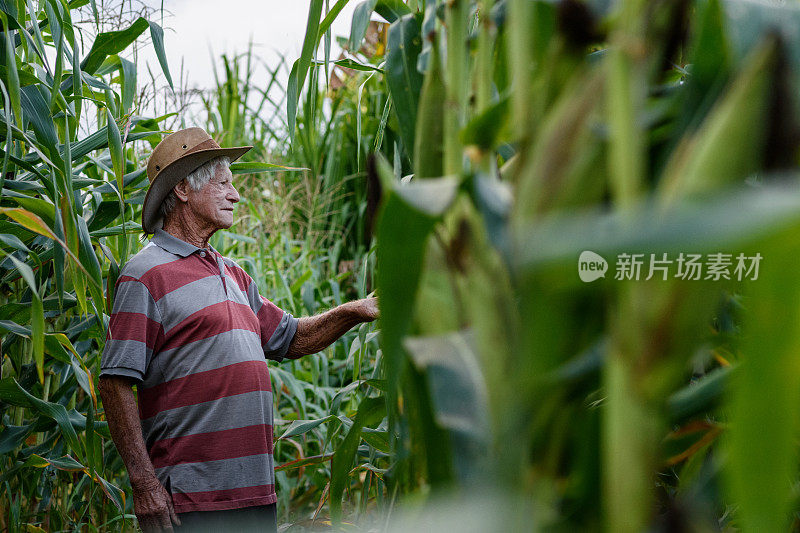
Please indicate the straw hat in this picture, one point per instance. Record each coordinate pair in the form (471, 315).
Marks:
(175, 157)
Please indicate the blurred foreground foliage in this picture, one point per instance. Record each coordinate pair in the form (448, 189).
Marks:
(522, 133)
(484, 145)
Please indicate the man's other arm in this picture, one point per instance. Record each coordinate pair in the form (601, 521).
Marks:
(315, 333)
(151, 501)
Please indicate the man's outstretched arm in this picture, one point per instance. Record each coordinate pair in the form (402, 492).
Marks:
(151, 502)
(315, 333)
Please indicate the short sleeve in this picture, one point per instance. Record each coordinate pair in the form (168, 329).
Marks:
(134, 331)
(277, 327)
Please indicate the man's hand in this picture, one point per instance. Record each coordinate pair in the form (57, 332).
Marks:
(151, 502)
(367, 309)
(153, 506)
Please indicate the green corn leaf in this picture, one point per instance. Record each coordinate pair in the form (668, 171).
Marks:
(70, 226)
(13, 437)
(99, 139)
(114, 493)
(77, 84)
(128, 227)
(115, 149)
(59, 257)
(55, 349)
(327, 46)
(429, 135)
(13, 241)
(241, 167)
(701, 396)
(128, 71)
(13, 80)
(299, 427)
(292, 97)
(458, 402)
(36, 461)
(358, 121)
(305, 461)
(66, 463)
(68, 171)
(301, 279)
(13, 327)
(91, 265)
(404, 43)
(299, 71)
(12, 393)
(761, 439)
(485, 130)
(56, 12)
(26, 272)
(704, 161)
(741, 214)
(353, 65)
(25, 78)
(112, 42)
(103, 215)
(58, 346)
(95, 13)
(157, 35)
(392, 10)
(333, 12)
(370, 412)
(360, 22)
(8, 118)
(563, 167)
(35, 107)
(35, 224)
(37, 33)
(377, 439)
(93, 450)
(710, 57)
(37, 316)
(406, 220)
(55, 95)
(37, 335)
(43, 208)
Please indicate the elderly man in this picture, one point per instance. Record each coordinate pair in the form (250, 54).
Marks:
(191, 330)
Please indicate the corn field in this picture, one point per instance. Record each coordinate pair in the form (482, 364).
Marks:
(525, 184)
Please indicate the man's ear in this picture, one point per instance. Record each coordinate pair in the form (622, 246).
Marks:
(182, 191)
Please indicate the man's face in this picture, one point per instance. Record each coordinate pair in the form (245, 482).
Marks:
(213, 203)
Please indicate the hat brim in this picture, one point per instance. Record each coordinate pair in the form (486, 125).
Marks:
(173, 174)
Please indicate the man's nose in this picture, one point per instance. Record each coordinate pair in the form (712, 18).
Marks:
(233, 194)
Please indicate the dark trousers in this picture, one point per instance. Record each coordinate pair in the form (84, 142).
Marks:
(258, 518)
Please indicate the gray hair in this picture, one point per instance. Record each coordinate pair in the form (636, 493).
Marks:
(196, 180)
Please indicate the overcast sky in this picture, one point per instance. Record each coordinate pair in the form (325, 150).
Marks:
(196, 29)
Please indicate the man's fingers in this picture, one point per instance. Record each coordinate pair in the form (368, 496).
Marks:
(173, 515)
(147, 525)
(157, 523)
(166, 523)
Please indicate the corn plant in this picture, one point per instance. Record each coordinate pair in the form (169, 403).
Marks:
(69, 205)
(536, 131)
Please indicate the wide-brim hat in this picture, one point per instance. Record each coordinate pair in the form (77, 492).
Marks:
(175, 157)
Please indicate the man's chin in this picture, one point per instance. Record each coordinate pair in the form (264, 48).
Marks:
(225, 222)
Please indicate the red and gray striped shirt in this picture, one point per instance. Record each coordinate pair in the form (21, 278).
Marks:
(190, 326)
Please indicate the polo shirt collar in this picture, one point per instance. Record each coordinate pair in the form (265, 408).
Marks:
(172, 244)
